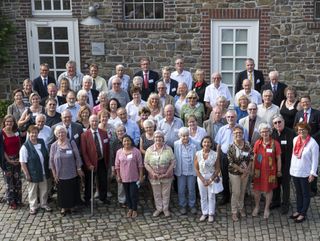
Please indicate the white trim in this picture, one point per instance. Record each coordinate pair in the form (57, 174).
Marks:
(51, 12)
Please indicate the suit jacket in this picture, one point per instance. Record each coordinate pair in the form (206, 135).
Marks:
(95, 94)
(40, 88)
(76, 131)
(244, 122)
(173, 87)
(314, 121)
(258, 80)
(279, 96)
(169, 100)
(89, 150)
(61, 100)
(153, 78)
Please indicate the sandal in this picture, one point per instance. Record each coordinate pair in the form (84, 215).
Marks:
(255, 212)
(129, 214)
(63, 212)
(235, 217)
(134, 214)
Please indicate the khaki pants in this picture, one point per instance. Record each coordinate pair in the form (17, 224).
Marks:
(34, 189)
(238, 186)
(161, 195)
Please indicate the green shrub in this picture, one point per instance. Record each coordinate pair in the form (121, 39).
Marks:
(3, 107)
(6, 32)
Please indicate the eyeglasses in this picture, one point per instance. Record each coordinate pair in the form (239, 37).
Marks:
(237, 133)
(301, 130)
(116, 83)
(277, 122)
(179, 63)
(231, 117)
(192, 98)
(252, 109)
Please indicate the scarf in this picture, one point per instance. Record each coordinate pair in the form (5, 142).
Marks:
(198, 84)
(300, 144)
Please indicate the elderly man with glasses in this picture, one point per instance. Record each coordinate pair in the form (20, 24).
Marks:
(284, 136)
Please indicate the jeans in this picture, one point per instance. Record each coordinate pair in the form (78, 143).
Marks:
(131, 191)
(224, 163)
(185, 182)
(302, 187)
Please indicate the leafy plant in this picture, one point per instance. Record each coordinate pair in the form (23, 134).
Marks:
(6, 31)
(3, 107)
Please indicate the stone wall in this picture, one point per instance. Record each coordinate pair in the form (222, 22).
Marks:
(289, 38)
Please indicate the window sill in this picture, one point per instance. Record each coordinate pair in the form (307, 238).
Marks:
(145, 25)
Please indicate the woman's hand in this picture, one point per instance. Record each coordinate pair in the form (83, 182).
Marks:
(56, 179)
(80, 173)
(119, 179)
(311, 178)
(279, 174)
(28, 177)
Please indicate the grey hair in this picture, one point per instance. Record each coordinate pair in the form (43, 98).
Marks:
(264, 125)
(102, 94)
(58, 129)
(71, 62)
(158, 132)
(277, 116)
(183, 131)
(267, 91)
(81, 93)
(148, 123)
(87, 78)
(41, 116)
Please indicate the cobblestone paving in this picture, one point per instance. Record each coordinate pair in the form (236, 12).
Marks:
(110, 223)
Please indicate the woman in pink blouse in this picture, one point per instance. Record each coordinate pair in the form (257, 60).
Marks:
(129, 168)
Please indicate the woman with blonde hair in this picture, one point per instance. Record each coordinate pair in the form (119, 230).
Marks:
(154, 105)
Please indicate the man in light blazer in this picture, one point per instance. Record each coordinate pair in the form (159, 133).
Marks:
(254, 120)
(41, 82)
(95, 153)
(256, 76)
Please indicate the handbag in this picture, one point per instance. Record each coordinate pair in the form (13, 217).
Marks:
(216, 186)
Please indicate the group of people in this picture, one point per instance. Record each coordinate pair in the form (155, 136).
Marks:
(162, 130)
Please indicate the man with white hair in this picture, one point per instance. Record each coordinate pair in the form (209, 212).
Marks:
(276, 87)
(118, 93)
(182, 75)
(71, 105)
(253, 95)
(74, 77)
(92, 93)
(267, 109)
(125, 79)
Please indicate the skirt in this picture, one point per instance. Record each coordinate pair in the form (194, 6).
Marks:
(68, 192)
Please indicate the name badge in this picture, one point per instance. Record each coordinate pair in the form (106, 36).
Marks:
(245, 153)
(173, 89)
(16, 134)
(38, 146)
(34, 114)
(76, 136)
(69, 152)
(129, 156)
(151, 81)
(84, 129)
(258, 81)
(105, 140)
(269, 150)
(284, 142)
(301, 119)
(291, 108)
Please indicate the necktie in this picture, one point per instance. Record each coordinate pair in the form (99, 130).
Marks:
(96, 141)
(305, 117)
(274, 88)
(68, 132)
(45, 82)
(94, 84)
(145, 81)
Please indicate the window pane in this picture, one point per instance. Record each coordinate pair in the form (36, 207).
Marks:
(129, 13)
(241, 35)
(230, 89)
(47, 4)
(56, 5)
(241, 50)
(61, 48)
(240, 64)
(46, 59)
(149, 10)
(60, 33)
(45, 48)
(227, 78)
(158, 10)
(37, 5)
(44, 33)
(227, 50)
(226, 64)
(59, 72)
(227, 35)
(66, 5)
(139, 11)
(61, 62)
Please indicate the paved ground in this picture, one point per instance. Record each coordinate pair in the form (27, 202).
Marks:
(109, 223)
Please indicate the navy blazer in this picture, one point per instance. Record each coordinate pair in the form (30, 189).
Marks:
(173, 87)
(153, 79)
(40, 88)
(314, 121)
(279, 96)
(258, 80)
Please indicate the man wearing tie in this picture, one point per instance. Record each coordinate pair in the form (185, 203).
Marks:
(41, 82)
(149, 77)
(87, 82)
(276, 87)
(255, 76)
(99, 83)
(95, 152)
(312, 118)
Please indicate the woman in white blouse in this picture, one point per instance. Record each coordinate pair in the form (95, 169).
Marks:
(196, 132)
(303, 169)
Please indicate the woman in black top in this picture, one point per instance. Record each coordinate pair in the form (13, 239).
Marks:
(290, 106)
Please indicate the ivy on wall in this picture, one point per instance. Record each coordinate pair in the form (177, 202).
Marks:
(6, 32)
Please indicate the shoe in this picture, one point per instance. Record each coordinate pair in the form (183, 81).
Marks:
(33, 211)
(183, 211)
(274, 205)
(235, 217)
(284, 210)
(203, 218)
(109, 194)
(46, 208)
(210, 219)
(300, 220)
(255, 212)
(294, 216)
(156, 213)
(63, 212)
(13, 205)
(266, 214)
(167, 213)
(129, 213)
(193, 210)
(243, 213)
(134, 214)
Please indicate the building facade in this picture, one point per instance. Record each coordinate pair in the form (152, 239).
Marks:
(216, 35)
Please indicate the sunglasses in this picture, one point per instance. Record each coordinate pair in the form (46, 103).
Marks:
(277, 122)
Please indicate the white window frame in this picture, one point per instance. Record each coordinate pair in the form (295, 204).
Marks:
(51, 12)
(33, 46)
(253, 42)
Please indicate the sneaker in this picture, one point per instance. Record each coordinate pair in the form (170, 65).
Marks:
(33, 211)
(183, 211)
(203, 218)
(193, 210)
(156, 213)
(210, 219)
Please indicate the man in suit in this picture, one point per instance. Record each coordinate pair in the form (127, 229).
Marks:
(312, 117)
(276, 87)
(52, 93)
(255, 76)
(165, 99)
(93, 94)
(171, 84)
(251, 123)
(149, 77)
(95, 152)
(41, 82)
